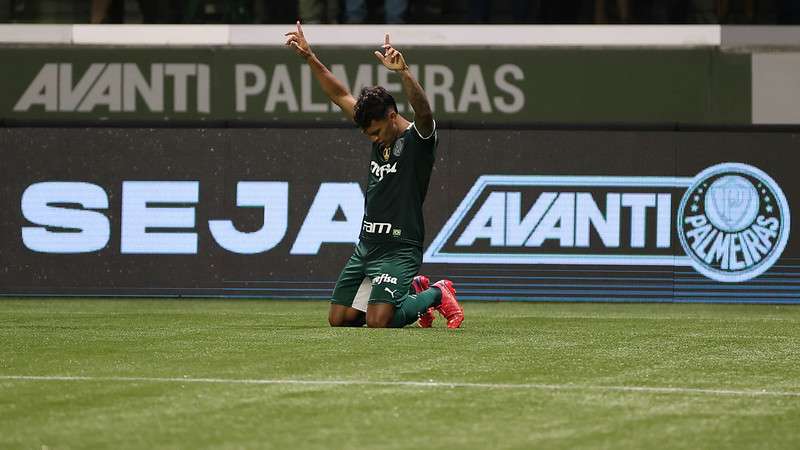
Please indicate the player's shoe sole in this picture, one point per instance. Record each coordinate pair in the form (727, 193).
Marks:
(449, 307)
(418, 284)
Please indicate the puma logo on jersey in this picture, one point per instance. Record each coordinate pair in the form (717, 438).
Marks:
(391, 292)
(381, 171)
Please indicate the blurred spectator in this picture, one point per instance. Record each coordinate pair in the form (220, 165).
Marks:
(394, 11)
(101, 12)
(319, 11)
(727, 14)
(216, 11)
(622, 13)
(271, 11)
(176, 11)
(432, 11)
(41, 11)
(113, 11)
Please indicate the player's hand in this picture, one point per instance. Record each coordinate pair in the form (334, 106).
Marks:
(297, 41)
(391, 58)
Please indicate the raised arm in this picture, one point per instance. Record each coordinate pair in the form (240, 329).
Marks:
(332, 87)
(393, 60)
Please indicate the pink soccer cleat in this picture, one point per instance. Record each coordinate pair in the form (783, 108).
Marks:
(418, 284)
(449, 307)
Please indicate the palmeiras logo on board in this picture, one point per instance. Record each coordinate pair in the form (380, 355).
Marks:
(733, 222)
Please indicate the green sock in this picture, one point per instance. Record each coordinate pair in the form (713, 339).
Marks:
(409, 310)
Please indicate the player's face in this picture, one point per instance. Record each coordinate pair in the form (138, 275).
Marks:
(384, 131)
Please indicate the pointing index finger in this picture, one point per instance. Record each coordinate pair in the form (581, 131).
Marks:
(300, 29)
(386, 39)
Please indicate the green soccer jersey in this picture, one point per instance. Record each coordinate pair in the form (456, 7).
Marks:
(398, 183)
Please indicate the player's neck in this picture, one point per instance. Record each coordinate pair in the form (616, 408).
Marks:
(401, 123)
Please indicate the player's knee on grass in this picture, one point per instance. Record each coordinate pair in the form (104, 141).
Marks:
(379, 315)
(343, 316)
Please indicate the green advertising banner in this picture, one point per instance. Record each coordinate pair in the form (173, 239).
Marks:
(470, 85)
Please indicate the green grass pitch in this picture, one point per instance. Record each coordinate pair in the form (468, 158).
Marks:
(244, 374)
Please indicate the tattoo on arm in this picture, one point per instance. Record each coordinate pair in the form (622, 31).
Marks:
(423, 116)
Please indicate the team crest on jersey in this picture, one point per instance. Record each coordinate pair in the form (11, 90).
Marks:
(398, 147)
(386, 153)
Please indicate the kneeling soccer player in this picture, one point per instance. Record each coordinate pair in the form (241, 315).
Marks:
(389, 252)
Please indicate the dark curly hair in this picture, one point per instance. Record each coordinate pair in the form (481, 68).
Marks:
(374, 103)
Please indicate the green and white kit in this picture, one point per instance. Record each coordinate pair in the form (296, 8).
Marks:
(389, 252)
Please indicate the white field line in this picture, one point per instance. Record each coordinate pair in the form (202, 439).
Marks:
(419, 384)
